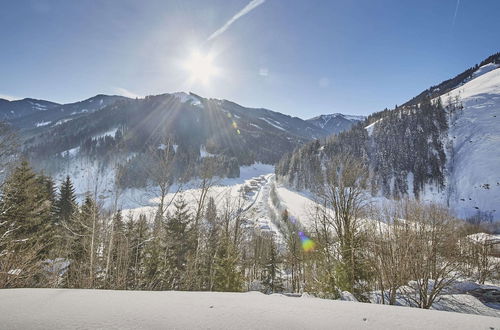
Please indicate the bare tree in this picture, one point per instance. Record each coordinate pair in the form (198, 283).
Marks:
(435, 257)
(391, 243)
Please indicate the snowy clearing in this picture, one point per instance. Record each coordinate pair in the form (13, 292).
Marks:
(90, 309)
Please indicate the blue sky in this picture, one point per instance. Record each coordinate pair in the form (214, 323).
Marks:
(302, 58)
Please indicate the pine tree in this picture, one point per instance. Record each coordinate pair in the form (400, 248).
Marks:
(178, 244)
(118, 254)
(66, 202)
(273, 281)
(228, 277)
(26, 208)
(212, 242)
(154, 257)
(82, 240)
(137, 234)
(25, 231)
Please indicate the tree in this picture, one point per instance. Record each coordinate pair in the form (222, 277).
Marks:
(344, 200)
(8, 149)
(435, 260)
(179, 244)
(83, 239)
(273, 281)
(137, 234)
(228, 277)
(25, 226)
(65, 204)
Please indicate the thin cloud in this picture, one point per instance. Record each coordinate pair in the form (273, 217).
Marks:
(248, 8)
(125, 92)
(456, 12)
(264, 72)
(9, 97)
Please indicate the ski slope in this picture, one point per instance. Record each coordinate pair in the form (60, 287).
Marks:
(107, 309)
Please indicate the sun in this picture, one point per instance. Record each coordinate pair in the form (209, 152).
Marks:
(201, 67)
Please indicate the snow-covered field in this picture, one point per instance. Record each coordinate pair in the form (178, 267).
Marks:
(103, 309)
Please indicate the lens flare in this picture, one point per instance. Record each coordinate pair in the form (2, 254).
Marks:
(307, 243)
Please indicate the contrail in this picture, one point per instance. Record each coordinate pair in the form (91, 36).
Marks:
(456, 12)
(248, 8)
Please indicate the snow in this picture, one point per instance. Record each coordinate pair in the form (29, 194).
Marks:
(354, 118)
(323, 120)
(204, 153)
(485, 69)
(42, 123)
(257, 126)
(71, 152)
(300, 205)
(107, 309)
(271, 123)
(137, 201)
(484, 237)
(77, 112)
(111, 133)
(38, 106)
(62, 121)
(474, 179)
(370, 127)
(189, 98)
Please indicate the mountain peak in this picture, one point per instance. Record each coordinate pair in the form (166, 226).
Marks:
(335, 123)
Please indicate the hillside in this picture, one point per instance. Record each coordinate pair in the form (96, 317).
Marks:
(443, 148)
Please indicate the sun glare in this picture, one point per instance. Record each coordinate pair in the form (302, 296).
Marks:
(201, 67)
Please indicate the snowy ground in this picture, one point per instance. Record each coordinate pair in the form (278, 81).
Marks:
(102, 309)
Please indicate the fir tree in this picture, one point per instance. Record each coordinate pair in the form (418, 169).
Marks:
(66, 202)
(26, 208)
(228, 276)
(178, 243)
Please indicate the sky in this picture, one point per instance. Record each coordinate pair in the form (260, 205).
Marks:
(302, 58)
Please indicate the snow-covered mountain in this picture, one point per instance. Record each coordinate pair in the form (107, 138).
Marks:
(473, 162)
(336, 122)
(447, 152)
(105, 132)
(10, 110)
(55, 114)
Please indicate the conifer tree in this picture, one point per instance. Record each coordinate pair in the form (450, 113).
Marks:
(26, 208)
(273, 281)
(137, 234)
(25, 230)
(178, 243)
(228, 277)
(66, 202)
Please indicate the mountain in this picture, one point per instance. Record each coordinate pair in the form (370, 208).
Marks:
(438, 146)
(105, 133)
(336, 122)
(10, 110)
(57, 113)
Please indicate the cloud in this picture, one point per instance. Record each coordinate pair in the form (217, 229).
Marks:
(264, 72)
(125, 92)
(9, 97)
(456, 12)
(248, 8)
